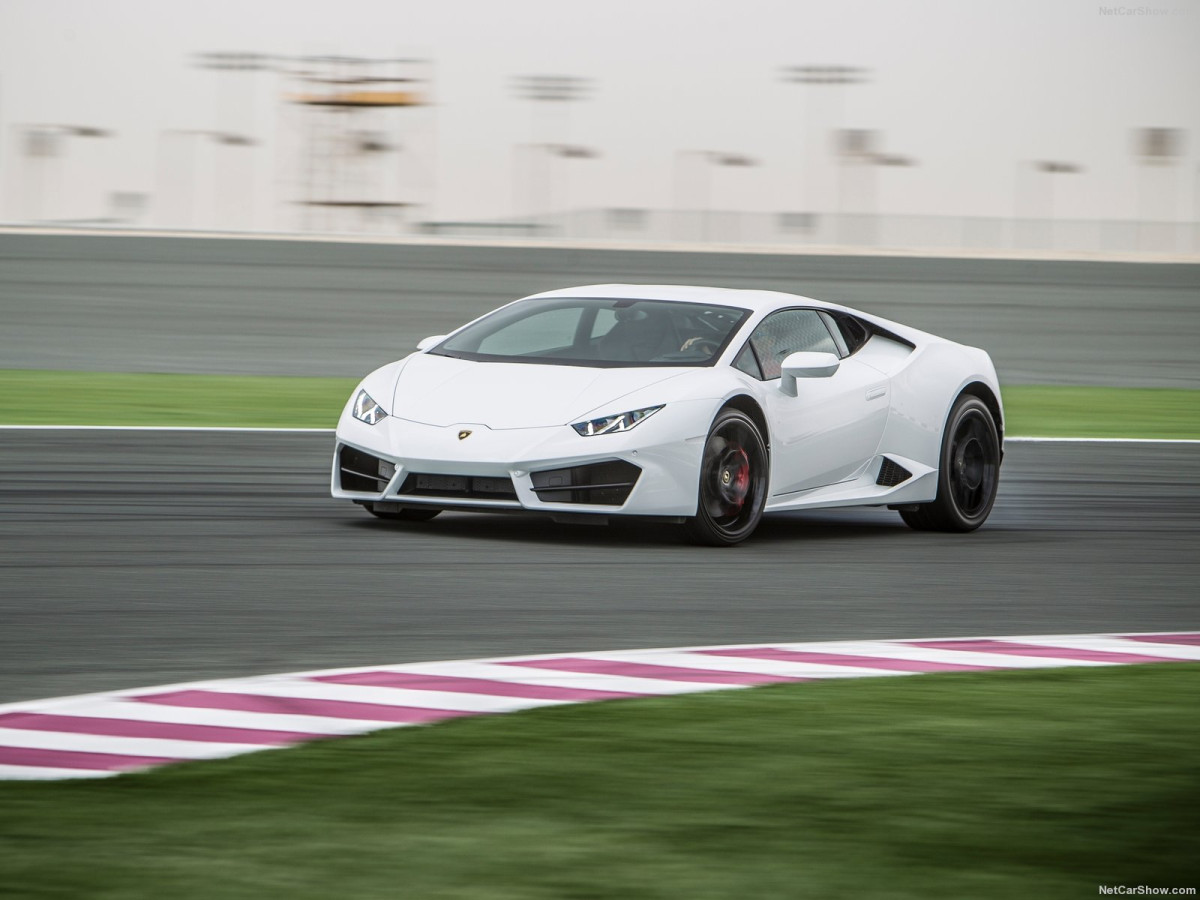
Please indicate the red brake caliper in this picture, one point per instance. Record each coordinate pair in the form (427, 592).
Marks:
(735, 478)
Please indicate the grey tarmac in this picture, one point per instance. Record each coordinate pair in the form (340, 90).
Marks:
(139, 558)
(287, 307)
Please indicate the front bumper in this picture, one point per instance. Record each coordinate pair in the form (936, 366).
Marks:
(505, 469)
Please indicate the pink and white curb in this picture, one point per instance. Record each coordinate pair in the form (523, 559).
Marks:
(97, 735)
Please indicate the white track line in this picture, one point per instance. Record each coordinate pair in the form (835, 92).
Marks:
(216, 428)
(95, 735)
(237, 430)
(1098, 440)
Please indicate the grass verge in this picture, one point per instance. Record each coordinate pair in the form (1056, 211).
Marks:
(1020, 784)
(1058, 411)
(34, 397)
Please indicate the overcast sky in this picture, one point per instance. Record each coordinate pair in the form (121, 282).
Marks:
(967, 89)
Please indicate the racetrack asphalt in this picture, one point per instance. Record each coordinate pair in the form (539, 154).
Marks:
(167, 304)
(135, 558)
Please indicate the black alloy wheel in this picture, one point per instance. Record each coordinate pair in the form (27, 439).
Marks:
(968, 473)
(733, 482)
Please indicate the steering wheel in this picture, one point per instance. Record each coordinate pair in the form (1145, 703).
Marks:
(704, 345)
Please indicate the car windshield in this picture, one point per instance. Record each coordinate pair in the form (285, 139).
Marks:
(599, 332)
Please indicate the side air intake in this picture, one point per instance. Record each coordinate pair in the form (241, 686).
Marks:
(891, 473)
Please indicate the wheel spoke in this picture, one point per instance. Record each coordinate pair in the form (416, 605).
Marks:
(731, 474)
(715, 507)
(973, 462)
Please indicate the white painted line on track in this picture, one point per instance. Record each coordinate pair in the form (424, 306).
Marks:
(239, 430)
(96, 735)
(217, 428)
(1098, 440)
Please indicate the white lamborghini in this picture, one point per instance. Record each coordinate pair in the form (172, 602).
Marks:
(705, 406)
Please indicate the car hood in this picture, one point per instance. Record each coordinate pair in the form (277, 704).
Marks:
(441, 390)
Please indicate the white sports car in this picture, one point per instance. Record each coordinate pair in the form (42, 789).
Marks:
(706, 406)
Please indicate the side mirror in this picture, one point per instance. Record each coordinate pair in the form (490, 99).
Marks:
(805, 365)
(432, 341)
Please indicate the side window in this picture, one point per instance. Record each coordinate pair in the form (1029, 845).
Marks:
(746, 362)
(853, 331)
(787, 332)
(838, 338)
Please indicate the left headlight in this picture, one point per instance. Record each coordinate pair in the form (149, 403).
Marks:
(613, 424)
(365, 409)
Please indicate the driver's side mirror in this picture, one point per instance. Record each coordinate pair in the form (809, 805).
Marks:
(805, 365)
(428, 342)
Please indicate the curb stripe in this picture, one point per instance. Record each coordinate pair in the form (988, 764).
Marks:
(337, 709)
(132, 710)
(109, 733)
(454, 684)
(1016, 649)
(133, 728)
(167, 748)
(643, 670)
(864, 662)
(48, 773)
(1183, 639)
(74, 759)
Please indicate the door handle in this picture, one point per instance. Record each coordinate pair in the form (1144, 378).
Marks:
(875, 391)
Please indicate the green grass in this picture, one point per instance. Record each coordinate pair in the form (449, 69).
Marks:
(1023, 784)
(33, 397)
(1055, 411)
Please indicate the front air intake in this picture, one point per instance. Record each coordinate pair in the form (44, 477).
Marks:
(463, 487)
(362, 472)
(601, 484)
(891, 473)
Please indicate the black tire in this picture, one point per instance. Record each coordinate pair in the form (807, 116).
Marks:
(733, 482)
(968, 472)
(405, 514)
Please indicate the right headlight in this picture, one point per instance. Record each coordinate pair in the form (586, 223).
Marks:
(613, 424)
(365, 409)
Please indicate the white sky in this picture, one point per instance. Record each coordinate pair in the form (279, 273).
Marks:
(967, 88)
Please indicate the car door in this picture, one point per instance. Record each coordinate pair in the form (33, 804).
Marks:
(831, 429)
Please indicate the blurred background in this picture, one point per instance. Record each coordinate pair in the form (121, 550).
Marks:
(1065, 128)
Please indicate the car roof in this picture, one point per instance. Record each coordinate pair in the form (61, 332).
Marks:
(682, 293)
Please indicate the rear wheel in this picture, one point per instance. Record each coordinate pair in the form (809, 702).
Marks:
(733, 482)
(968, 473)
(404, 514)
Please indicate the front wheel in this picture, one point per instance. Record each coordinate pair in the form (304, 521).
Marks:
(733, 482)
(968, 473)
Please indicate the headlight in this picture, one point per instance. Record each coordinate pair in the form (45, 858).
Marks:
(612, 424)
(365, 409)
